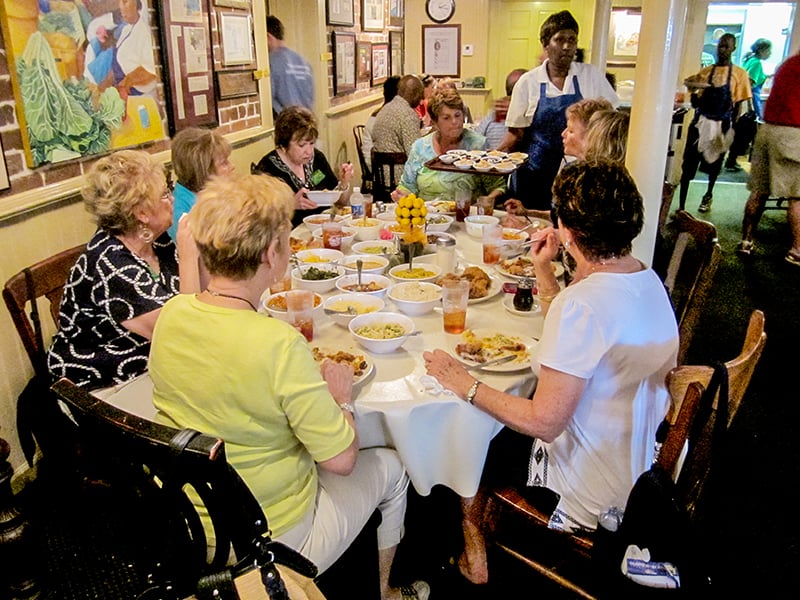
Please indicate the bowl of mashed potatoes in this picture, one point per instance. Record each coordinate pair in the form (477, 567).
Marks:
(415, 298)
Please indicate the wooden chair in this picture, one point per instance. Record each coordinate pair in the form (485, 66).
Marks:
(47, 279)
(693, 261)
(38, 416)
(366, 172)
(163, 469)
(385, 177)
(519, 530)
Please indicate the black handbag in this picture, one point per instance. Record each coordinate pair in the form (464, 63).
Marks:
(745, 129)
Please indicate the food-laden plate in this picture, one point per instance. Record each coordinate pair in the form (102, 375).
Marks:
(482, 286)
(508, 304)
(447, 207)
(478, 346)
(522, 266)
(362, 366)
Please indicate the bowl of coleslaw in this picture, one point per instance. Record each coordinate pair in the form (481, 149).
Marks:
(381, 332)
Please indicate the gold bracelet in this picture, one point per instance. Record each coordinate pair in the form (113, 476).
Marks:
(548, 297)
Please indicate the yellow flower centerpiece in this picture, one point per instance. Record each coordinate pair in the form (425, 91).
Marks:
(410, 228)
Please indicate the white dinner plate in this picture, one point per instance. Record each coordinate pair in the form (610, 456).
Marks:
(367, 371)
(495, 287)
(509, 367)
(558, 269)
(508, 304)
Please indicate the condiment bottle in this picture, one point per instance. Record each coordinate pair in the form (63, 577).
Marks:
(523, 298)
(446, 254)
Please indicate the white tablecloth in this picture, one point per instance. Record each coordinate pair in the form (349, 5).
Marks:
(440, 438)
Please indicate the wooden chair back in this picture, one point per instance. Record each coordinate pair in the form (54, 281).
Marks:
(693, 262)
(366, 172)
(386, 174)
(48, 278)
(740, 368)
(167, 470)
(520, 530)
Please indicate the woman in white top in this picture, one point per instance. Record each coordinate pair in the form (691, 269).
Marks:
(609, 340)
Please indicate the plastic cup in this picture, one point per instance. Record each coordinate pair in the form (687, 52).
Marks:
(463, 198)
(332, 235)
(455, 297)
(485, 205)
(492, 242)
(282, 285)
(299, 310)
(368, 205)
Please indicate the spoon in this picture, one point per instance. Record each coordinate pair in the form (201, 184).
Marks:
(359, 267)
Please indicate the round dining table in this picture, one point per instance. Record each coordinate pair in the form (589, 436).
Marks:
(441, 439)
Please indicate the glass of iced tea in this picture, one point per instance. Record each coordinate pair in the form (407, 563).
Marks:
(332, 235)
(284, 284)
(492, 241)
(300, 311)
(485, 205)
(455, 297)
(463, 198)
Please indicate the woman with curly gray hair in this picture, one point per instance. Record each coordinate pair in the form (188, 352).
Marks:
(609, 339)
(117, 287)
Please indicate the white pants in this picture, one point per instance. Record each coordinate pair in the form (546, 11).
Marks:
(345, 503)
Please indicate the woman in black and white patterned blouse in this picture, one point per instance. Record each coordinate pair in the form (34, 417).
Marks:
(117, 287)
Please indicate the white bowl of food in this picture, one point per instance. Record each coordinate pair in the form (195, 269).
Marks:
(415, 298)
(513, 236)
(366, 229)
(381, 332)
(314, 221)
(373, 247)
(320, 278)
(275, 305)
(370, 263)
(324, 197)
(475, 223)
(437, 222)
(319, 255)
(343, 308)
(464, 163)
(348, 235)
(419, 272)
(483, 166)
(448, 158)
(371, 283)
(505, 166)
(387, 216)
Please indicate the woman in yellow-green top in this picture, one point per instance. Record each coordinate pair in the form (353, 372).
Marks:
(220, 367)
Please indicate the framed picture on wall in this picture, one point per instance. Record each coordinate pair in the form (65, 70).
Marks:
(339, 12)
(77, 124)
(364, 74)
(441, 50)
(396, 13)
(624, 36)
(191, 90)
(372, 15)
(396, 53)
(380, 63)
(235, 37)
(344, 62)
(228, 3)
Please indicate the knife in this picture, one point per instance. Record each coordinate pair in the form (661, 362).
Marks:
(490, 363)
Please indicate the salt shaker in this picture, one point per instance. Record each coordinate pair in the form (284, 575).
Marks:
(446, 254)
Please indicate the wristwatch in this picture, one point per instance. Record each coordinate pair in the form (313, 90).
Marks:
(472, 391)
(348, 407)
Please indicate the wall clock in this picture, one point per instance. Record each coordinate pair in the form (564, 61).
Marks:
(440, 11)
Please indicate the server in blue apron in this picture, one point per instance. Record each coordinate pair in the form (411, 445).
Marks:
(718, 91)
(537, 111)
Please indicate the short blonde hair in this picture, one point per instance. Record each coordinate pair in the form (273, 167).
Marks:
(447, 97)
(118, 184)
(236, 218)
(585, 108)
(607, 135)
(194, 154)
